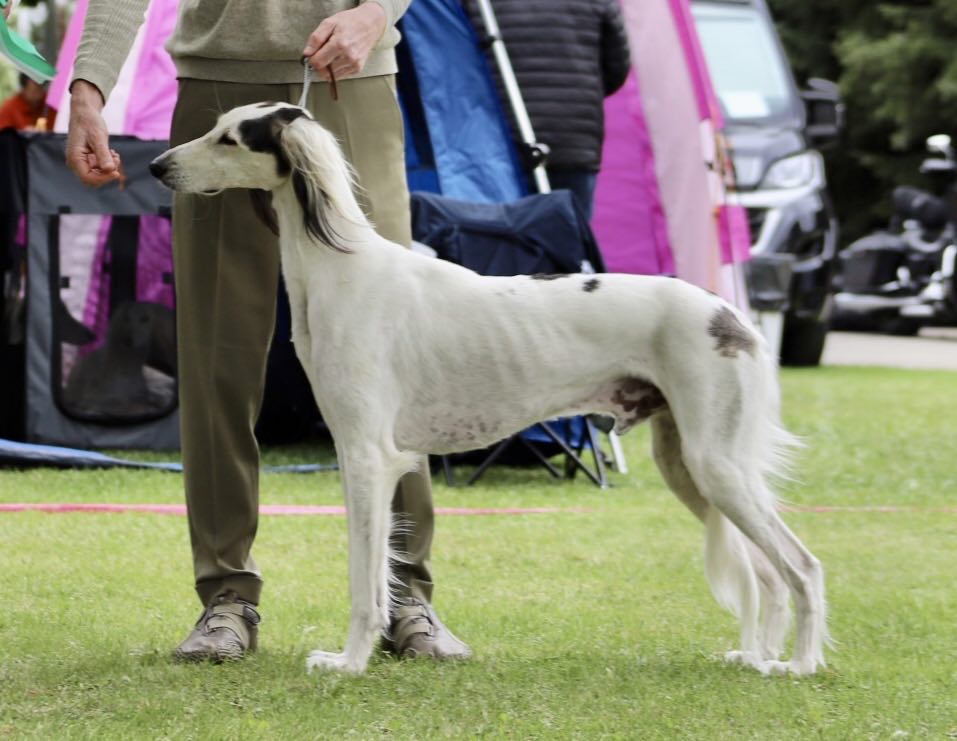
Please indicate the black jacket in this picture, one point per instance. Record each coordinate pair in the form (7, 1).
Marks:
(567, 56)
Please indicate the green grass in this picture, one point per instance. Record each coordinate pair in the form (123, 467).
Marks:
(585, 624)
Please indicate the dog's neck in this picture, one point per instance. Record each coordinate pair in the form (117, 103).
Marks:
(349, 225)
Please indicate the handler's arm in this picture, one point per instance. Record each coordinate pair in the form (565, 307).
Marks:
(615, 56)
(108, 36)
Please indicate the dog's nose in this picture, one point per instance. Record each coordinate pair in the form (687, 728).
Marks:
(158, 169)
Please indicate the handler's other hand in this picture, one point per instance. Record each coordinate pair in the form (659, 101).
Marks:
(341, 44)
(7, 8)
(88, 152)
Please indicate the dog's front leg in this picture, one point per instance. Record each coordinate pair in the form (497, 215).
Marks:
(368, 491)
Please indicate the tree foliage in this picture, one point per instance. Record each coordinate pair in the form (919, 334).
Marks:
(896, 63)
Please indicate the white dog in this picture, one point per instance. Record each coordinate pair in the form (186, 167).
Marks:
(409, 355)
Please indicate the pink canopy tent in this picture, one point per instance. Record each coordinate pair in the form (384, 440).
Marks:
(662, 202)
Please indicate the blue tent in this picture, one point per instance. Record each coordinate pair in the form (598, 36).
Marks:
(457, 139)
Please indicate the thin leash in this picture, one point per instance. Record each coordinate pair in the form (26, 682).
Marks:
(307, 81)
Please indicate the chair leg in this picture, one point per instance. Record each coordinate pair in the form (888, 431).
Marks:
(449, 473)
(598, 479)
(596, 452)
(617, 452)
(493, 456)
(541, 457)
(574, 458)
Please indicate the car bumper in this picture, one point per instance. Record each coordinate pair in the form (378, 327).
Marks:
(798, 222)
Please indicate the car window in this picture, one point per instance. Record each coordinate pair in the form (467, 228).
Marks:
(746, 64)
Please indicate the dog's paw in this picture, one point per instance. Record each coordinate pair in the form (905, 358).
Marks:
(793, 667)
(745, 658)
(329, 661)
(769, 667)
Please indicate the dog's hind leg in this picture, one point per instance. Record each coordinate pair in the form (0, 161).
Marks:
(805, 577)
(369, 482)
(740, 494)
(775, 608)
(728, 566)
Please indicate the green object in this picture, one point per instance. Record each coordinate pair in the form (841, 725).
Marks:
(23, 54)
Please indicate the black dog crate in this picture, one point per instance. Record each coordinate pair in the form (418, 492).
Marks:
(100, 323)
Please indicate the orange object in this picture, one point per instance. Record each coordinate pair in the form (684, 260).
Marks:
(16, 113)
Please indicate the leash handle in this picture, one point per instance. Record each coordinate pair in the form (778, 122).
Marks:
(307, 81)
(332, 82)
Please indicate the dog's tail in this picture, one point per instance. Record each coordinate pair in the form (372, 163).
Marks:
(775, 447)
(738, 583)
(727, 566)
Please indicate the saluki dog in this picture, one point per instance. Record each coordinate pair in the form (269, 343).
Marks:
(409, 355)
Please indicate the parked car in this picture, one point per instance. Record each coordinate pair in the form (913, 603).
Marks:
(774, 132)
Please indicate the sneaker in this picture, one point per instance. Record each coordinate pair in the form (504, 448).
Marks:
(416, 631)
(226, 631)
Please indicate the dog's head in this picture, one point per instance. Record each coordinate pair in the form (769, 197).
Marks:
(245, 149)
(261, 147)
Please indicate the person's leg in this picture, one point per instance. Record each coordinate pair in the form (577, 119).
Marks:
(368, 124)
(226, 267)
(579, 182)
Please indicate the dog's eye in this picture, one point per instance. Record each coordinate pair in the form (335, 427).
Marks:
(227, 140)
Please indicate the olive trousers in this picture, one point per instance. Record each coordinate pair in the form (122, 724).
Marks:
(227, 271)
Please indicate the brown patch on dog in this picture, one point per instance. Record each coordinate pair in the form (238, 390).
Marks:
(637, 399)
(590, 285)
(730, 334)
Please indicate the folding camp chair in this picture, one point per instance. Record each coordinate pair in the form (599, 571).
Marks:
(544, 233)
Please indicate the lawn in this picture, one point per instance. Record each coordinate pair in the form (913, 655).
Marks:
(593, 621)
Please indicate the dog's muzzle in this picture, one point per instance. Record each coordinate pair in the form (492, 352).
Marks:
(159, 168)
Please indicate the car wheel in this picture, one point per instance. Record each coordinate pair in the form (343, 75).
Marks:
(802, 342)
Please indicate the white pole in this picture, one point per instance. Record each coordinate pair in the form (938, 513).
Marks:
(512, 90)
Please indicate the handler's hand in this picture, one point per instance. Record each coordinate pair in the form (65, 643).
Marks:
(87, 145)
(341, 44)
(7, 8)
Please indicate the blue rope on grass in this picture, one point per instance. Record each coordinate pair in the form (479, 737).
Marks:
(15, 454)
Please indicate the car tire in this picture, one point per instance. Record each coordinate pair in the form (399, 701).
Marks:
(802, 342)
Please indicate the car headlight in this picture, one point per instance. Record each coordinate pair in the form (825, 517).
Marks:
(806, 168)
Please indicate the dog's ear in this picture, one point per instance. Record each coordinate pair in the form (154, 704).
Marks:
(305, 146)
(262, 207)
(315, 205)
(263, 135)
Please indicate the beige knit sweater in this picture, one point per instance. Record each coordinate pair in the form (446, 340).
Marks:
(258, 41)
